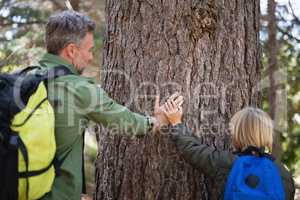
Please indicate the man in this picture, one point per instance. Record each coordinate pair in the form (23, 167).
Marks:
(76, 99)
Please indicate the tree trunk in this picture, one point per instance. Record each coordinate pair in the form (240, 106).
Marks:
(208, 50)
(274, 95)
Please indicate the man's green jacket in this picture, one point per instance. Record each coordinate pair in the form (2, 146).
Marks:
(76, 100)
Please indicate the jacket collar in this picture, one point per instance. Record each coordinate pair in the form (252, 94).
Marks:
(50, 60)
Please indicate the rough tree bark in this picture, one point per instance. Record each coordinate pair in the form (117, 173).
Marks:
(207, 49)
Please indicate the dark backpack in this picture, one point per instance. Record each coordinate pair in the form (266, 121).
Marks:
(19, 91)
(254, 177)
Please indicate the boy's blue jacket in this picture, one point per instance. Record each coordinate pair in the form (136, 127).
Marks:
(216, 164)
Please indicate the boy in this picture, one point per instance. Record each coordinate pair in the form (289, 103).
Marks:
(250, 127)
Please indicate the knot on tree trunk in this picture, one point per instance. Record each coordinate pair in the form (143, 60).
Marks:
(202, 20)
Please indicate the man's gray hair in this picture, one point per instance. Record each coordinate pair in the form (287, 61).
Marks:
(66, 27)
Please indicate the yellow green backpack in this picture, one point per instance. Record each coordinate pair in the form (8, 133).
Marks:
(28, 164)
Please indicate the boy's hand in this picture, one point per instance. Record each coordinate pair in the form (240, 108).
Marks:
(177, 98)
(173, 111)
(160, 118)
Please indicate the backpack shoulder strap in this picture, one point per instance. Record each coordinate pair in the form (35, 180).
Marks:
(57, 71)
(52, 73)
(27, 69)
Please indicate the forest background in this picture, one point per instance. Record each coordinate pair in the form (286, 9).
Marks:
(21, 44)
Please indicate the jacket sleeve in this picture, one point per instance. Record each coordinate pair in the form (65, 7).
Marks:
(287, 180)
(203, 157)
(97, 106)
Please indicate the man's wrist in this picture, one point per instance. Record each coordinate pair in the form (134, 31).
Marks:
(151, 121)
(154, 123)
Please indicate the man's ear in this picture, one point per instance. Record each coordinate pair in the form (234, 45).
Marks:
(70, 50)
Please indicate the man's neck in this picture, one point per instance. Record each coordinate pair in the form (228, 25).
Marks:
(65, 57)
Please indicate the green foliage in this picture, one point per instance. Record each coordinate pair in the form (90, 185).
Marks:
(22, 31)
(288, 62)
(20, 34)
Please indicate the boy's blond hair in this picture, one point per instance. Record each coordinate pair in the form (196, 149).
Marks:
(252, 127)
